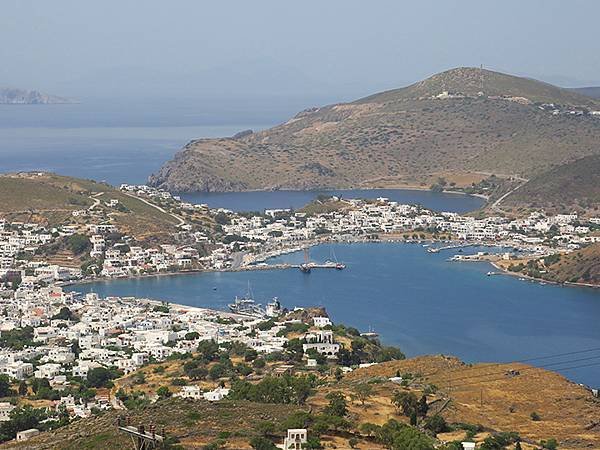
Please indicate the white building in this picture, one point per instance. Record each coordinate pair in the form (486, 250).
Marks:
(296, 439)
(190, 392)
(216, 395)
(5, 409)
(321, 322)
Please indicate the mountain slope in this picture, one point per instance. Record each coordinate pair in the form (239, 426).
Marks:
(51, 199)
(11, 96)
(407, 136)
(591, 91)
(563, 187)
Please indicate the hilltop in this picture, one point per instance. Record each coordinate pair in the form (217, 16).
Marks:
(12, 96)
(461, 125)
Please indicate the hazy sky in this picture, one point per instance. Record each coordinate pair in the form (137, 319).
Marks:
(324, 49)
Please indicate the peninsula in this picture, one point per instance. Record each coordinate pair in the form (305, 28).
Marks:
(462, 126)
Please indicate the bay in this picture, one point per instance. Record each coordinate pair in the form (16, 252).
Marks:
(261, 200)
(416, 300)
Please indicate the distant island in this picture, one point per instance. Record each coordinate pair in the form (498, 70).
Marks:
(13, 96)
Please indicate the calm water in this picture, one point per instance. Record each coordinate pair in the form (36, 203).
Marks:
(124, 142)
(258, 201)
(414, 299)
(105, 141)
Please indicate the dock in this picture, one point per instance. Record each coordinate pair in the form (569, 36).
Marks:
(283, 266)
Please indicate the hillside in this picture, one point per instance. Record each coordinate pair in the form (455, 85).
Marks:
(580, 266)
(591, 91)
(11, 96)
(484, 398)
(563, 188)
(51, 199)
(403, 137)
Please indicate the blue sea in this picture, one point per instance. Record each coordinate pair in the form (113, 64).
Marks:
(414, 299)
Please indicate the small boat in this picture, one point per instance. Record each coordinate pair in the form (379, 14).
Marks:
(489, 274)
(214, 288)
(370, 334)
(305, 268)
(338, 265)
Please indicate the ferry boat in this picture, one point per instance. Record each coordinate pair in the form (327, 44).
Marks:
(246, 305)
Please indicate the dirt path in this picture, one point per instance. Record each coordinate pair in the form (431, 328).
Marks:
(179, 219)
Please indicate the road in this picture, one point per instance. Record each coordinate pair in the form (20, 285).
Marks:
(179, 219)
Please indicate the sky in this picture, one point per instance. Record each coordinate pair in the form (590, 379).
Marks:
(325, 50)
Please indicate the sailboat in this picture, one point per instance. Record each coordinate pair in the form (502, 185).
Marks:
(305, 267)
(338, 265)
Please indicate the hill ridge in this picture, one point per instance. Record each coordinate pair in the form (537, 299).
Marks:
(438, 127)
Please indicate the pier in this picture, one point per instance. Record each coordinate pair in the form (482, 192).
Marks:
(282, 266)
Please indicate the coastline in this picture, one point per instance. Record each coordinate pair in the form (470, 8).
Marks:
(541, 280)
(259, 262)
(333, 189)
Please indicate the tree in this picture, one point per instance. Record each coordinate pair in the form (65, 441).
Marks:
(78, 243)
(23, 388)
(99, 377)
(266, 427)
(64, 314)
(209, 350)
(436, 424)
(163, 392)
(337, 404)
(191, 335)
(363, 391)
(217, 371)
(353, 442)
(405, 401)
(261, 443)
(410, 438)
(550, 444)
(4, 386)
(422, 406)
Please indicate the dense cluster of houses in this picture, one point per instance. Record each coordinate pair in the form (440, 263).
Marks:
(363, 218)
(71, 334)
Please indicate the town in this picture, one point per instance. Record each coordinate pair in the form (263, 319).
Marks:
(66, 348)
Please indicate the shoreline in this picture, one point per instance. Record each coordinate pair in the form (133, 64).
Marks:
(330, 189)
(542, 280)
(259, 262)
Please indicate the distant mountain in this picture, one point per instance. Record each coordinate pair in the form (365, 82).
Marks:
(11, 96)
(591, 91)
(563, 187)
(458, 124)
